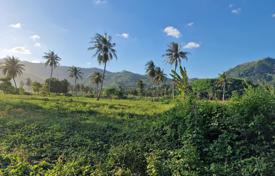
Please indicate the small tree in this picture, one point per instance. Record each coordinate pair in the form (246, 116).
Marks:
(181, 81)
(36, 87)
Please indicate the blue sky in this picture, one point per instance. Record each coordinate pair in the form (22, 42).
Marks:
(219, 34)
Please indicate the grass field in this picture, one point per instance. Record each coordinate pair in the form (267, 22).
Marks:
(38, 129)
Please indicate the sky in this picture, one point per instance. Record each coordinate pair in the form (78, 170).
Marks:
(218, 34)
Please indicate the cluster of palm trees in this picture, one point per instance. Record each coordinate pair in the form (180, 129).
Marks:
(104, 51)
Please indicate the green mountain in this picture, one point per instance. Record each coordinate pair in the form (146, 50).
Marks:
(38, 72)
(259, 72)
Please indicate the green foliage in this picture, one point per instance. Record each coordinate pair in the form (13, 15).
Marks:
(81, 136)
(58, 86)
(181, 81)
(6, 86)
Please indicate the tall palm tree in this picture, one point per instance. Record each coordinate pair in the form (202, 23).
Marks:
(12, 68)
(159, 76)
(174, 55)
(96, 78)
(104, 51)
(75, 72)
(222, 81)
(52, 60)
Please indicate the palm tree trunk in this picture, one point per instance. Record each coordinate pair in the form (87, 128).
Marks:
(173, 86)
(223, 91)
(50, 79)
(96, 89)
(103, 76)
(75, 86)
(14, 83)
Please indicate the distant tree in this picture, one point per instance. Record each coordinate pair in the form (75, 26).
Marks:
(52, 60)
(75, 72)
(222, 81)
(174, 55)
(12, 68)
(150, 69)
(36, 87)
(140, 85)
(29, 83)
(104, 51)
(159, 76)
(58, 86)
(97, 79)
(6, 86)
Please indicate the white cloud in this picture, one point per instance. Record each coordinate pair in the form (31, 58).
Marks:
(100, 1)
(236, 11)
(124, 35)
(190, 24)
(191, 45)
(35, 37)
(172, 31)
(37, 44)
(16, 26)
(273, 15)
(17, 50)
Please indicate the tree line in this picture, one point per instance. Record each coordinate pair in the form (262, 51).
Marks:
(104, 51)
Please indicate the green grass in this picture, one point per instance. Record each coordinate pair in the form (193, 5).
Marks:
(37, 129)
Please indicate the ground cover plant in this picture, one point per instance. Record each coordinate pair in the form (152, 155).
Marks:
(81, 136)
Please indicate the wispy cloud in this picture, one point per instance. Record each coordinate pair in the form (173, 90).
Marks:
(273, 15)
(172, 31)
(236, 11)
(17, 50)
(16, 25)
(37, 44)
(35, 37)
(231, 5)
(100, 1)
(191, 45)
(190, 24)
(123, 35)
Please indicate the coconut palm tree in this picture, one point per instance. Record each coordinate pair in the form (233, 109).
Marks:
(174, 55)
(12, 68)
(52, 60)
(222, 81)
(75, 72)
(104, 51)
(140, 85)
(159, 76)
(96, 78)
(150, 69)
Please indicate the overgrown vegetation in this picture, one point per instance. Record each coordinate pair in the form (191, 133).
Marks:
(81, 136)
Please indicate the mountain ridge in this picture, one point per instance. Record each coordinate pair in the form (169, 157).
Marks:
(39, 72)
(261, 71)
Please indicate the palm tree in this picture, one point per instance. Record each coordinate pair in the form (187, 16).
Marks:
(52, 60)
(159, 76)
(104, 51)
(75, 72)
(12, 68)
(140, 85)
(96, 78)
(174, 55)
(150, 69)
(181, 81)
(222, 81)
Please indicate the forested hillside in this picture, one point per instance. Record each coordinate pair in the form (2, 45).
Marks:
(259, 72)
